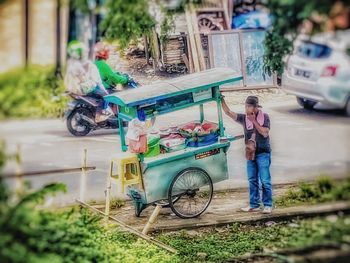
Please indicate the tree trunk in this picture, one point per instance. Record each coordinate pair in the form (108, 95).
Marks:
(26, 32)
(58, 72)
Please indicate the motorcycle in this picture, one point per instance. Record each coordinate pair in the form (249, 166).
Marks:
(81, 114)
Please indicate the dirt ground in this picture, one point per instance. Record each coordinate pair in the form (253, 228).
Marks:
(145, 74)
(223, 210)
(138, 68)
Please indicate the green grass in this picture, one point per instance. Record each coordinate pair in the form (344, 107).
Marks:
(117, 203)
(31, 234)
(241, 239)
(34, 92)
(324, 189)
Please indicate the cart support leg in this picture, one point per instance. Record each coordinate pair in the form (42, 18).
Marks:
(201, 110)
(122, 133)
(221, 123)
(152, 219)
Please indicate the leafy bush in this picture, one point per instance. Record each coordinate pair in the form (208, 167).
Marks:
(288, 18)
(31, 234)
(219, 245)
(324, 189)
(117, 203)
(126, 20)
(33, 92)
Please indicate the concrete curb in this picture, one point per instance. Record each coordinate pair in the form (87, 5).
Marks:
(254, 217)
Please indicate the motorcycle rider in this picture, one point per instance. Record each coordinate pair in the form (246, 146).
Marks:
(83, 78)
(109, 77)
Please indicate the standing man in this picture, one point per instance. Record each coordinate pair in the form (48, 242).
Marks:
(256, 125)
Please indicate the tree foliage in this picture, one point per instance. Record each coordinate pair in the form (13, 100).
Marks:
(29, 233)
(26, 233)
(168, 23)
(126, 20)
(80, 5)
(31, 92)
(288, 17)
(183, 3)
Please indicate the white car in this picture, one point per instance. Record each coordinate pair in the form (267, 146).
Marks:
(318, 72)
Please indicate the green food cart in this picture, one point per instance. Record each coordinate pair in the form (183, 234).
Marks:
(181, 179)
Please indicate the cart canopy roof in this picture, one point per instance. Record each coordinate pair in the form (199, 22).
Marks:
(176, 86)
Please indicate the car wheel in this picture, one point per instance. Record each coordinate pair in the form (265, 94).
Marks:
(305, 103)
(347, 108)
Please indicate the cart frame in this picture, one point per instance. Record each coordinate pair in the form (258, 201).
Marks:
(159, 174)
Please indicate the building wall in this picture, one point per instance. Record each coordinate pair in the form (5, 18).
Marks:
(11, 35)
(42, 33)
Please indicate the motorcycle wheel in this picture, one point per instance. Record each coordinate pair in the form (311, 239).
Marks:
(75, 125)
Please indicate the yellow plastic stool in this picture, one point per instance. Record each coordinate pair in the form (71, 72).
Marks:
(127, 170)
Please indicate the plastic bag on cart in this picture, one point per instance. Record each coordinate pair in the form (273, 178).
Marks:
(174, 142)
(138, 146)
(136, 128)
(137, 136)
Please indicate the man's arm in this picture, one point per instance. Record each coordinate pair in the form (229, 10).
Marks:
(227, 110)
(110, 76)
(115, 77)
(264, 131)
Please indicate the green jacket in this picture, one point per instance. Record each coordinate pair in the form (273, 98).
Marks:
(109, 77)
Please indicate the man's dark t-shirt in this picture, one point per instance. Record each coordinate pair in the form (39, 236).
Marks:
(262, 144)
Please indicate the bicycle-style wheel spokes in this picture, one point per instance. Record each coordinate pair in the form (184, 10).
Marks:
(193, 190)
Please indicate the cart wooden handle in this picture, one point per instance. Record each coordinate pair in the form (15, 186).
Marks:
(235, 138)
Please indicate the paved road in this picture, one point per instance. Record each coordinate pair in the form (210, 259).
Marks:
(305, 144)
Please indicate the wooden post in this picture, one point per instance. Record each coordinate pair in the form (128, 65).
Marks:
(190, 57)
(230, 11)
(26, 32)
(187, 63)
(243, 66)
(155, 50)
(83, 177)
(19, 172)
(108, 189)
(225, 5)
(58, 72)
(152, 219)
(130, 229)
(145, 42)
(197, 38)
(192, 46)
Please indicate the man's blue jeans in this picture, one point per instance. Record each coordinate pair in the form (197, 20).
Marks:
(259, 170)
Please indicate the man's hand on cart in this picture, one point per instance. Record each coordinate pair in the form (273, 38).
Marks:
(226, 109)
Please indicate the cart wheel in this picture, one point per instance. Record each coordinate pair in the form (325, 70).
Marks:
(193, 190)
(165, 203)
